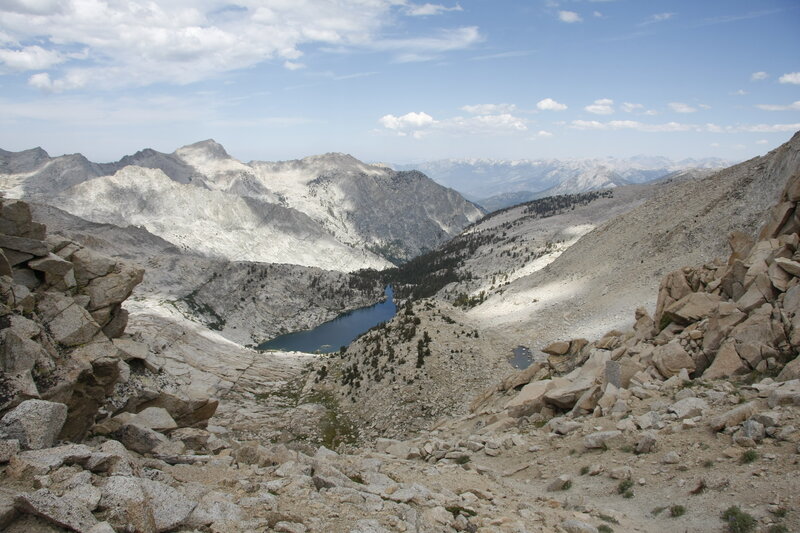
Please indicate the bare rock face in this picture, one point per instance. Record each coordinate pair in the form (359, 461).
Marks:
(34, 423)
(53, 347)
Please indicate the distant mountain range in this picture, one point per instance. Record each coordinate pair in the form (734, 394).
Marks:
(330, 211)
(495, 184)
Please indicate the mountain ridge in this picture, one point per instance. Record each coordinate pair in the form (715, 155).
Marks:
(347, 214)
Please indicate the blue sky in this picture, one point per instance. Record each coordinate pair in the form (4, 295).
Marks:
(401, 81)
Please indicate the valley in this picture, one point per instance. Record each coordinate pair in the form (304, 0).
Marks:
(662, 319)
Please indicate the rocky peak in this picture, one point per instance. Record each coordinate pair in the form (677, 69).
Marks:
(209, 149)
(24, 161)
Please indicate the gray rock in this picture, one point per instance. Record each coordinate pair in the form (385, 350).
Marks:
(102, 527)
(368, 526)
(559, 483)
(113, 288)
(51, 264)
(34, 423)
(753, 430)
(126, 505)
(138, 438)
(600, 439)
(646, 443)
(8, 449)
(69, 323)
(156, 418)
(86, 494)
(169, 507)
(671, 458)
(22, 244)
(215, 507)
(733, 417)
(289, 527)
(60, 511)
(576, 526)
(40, 462)
(688, 408)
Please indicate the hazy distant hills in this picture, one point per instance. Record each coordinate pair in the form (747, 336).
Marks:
(495, 184)
(330, 211)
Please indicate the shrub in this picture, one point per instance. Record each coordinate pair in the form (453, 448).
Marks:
(677, 510)
(738, 521)
(749, 456)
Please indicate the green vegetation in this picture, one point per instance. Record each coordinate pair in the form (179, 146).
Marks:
(749, 456)
(567, 485)
(625, 488)
(677, 510)
(605, 528)
(584, 470)
(738, 521)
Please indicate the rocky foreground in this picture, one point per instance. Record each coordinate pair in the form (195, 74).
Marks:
(689, 421)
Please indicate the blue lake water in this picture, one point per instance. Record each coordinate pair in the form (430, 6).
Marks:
(340, 331)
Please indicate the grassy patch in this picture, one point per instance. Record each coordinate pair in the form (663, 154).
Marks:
(748, 456)
(625, 488)
(567, 485)
(584, 470)
(604, 528)
(738, 521)
(778, 528)
(677, 510)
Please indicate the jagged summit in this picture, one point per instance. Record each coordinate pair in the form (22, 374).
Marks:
(209, 147)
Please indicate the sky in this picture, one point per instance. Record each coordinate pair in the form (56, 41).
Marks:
(400, 81)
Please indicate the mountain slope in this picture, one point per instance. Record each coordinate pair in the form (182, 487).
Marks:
(483, 179)
(596, 284)
(330, 211)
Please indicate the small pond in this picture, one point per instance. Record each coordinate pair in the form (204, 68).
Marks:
(522, 357)
(340, 331)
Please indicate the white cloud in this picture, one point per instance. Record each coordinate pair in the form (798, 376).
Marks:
(428, 48)
(740, 92)
(543, 133)
(758, 76)
(766, 128)
(489, 109)
(569, 17)
(602, 106)
(30, 58)
(409, 121)
(658, 17)
(548, 104)
(680, 127)
(762, 141)
(416, 10)
(597, 14)
(420, 124)
(291, 65)
(486, 124)
(141, 42)
(629, 125)
(794, 106)
(679, 107)
(629, 107)
(792, 77)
